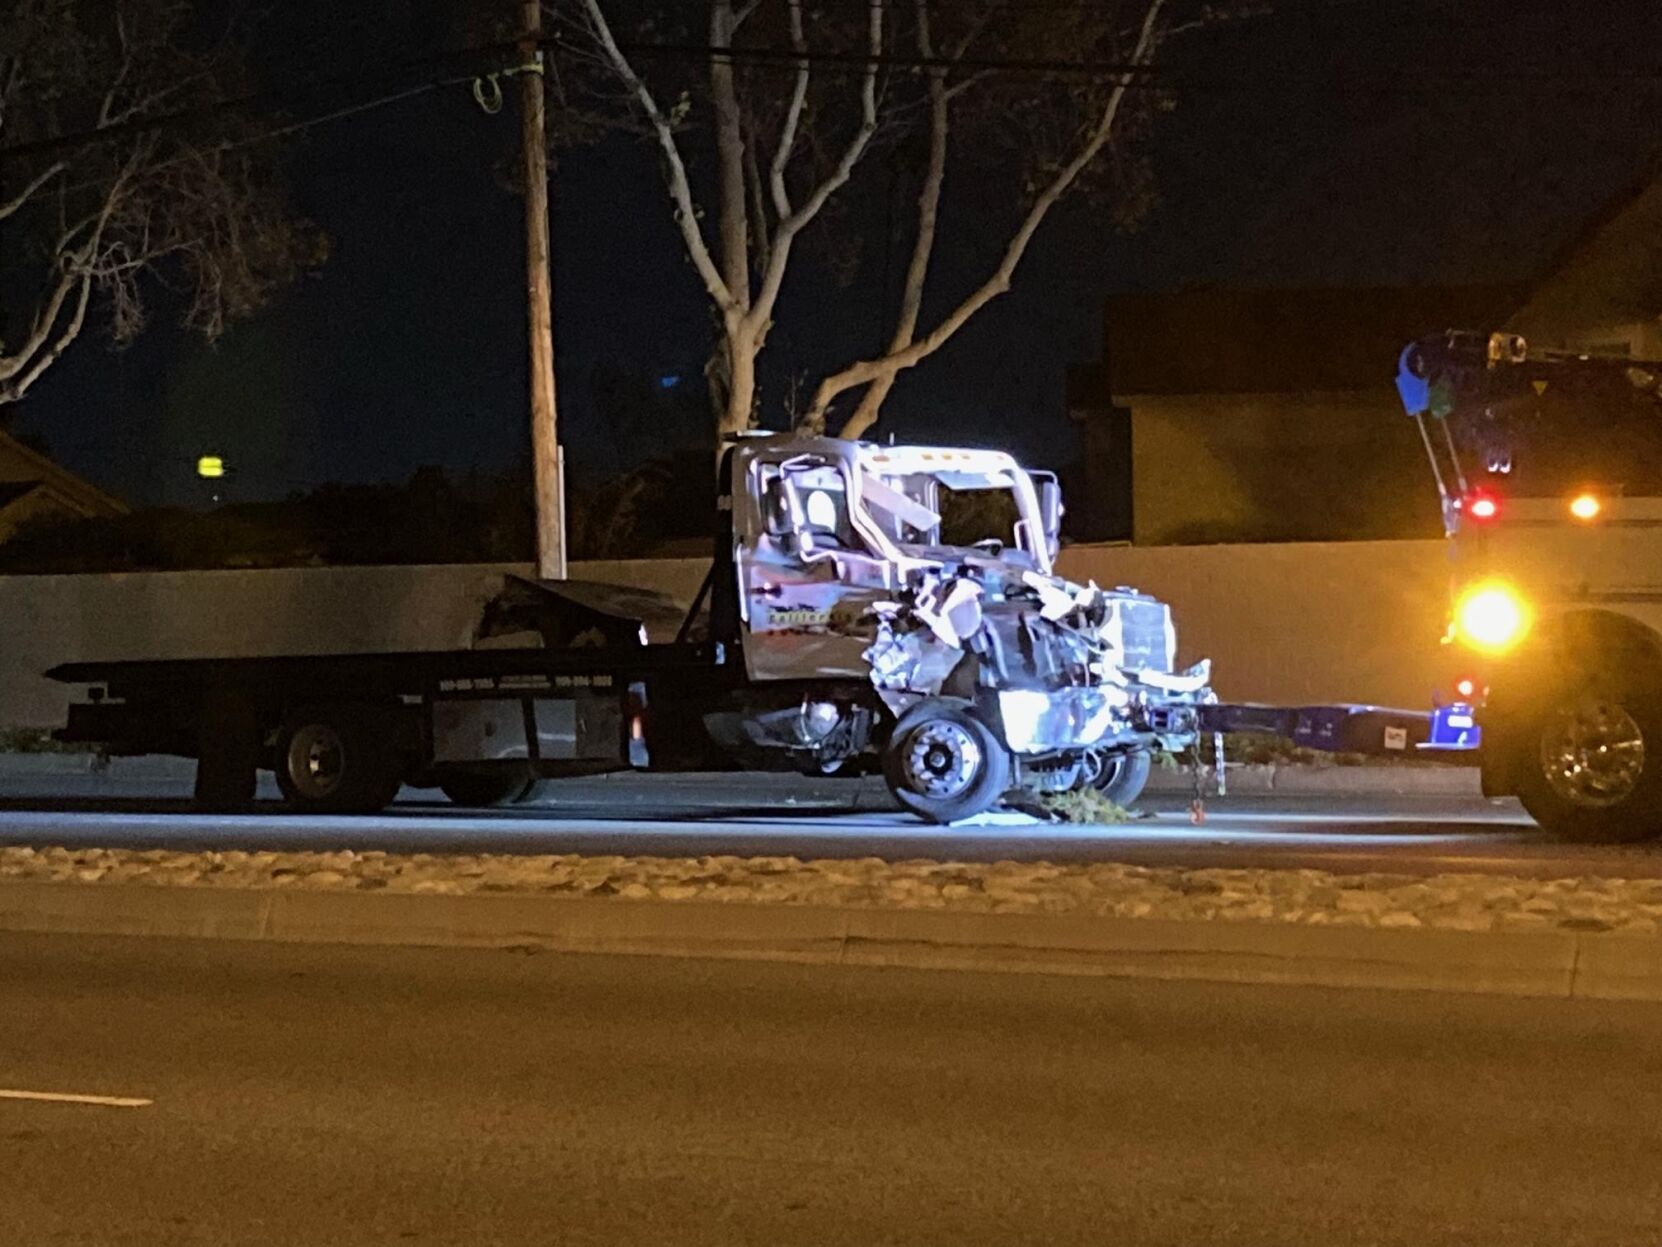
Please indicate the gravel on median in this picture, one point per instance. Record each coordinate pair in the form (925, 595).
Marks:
(1313, 897)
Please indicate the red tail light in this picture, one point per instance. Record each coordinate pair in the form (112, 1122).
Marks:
(1482, 506)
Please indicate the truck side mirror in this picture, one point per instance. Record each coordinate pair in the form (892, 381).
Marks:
(1049, 492)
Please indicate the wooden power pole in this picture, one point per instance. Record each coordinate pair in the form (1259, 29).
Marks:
(547, 461)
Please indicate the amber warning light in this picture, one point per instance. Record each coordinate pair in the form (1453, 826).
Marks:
(1585, 507)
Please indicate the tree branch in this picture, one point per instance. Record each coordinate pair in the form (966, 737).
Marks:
(14, 389)
(999, 281)
(789, 227)
(686, 214)
(75, 268)
(23, 196)
(793, 114)
(923, 248)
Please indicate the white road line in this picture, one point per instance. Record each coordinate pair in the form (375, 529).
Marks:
(63, 1097)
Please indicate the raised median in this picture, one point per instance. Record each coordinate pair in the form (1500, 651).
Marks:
(1589, 937)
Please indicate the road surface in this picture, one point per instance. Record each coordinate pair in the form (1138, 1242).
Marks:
(776, 815)
(367, 1096)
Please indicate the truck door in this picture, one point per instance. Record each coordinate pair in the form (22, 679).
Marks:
(807, 575)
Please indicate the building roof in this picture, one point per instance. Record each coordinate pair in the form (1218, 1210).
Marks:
(1211, 341)
(11, 491)
(22, 465)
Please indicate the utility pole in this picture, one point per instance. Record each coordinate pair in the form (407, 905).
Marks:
(548, 463)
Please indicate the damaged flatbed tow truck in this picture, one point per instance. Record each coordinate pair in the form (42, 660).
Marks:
(867, 607)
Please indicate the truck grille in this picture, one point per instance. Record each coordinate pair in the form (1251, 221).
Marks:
(1145, 633)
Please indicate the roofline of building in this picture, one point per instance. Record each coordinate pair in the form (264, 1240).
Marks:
(55, 472)
(1601, 219)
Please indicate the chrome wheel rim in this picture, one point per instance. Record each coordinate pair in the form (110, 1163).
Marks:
(941, 760)
(1104, 769)
(1593, 755)
(316, 760)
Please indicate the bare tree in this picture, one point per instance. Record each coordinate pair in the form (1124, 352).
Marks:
(780, 156)
(1083, 115)
(99, 195)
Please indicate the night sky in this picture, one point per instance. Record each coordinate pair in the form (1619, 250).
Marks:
(1335, 143)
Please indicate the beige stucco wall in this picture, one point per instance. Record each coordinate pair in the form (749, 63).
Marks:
(1223, 467)
(1282, 623)
(46, 620)
(1297, 622)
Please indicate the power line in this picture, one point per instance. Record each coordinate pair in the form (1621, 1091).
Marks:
(1155, 77)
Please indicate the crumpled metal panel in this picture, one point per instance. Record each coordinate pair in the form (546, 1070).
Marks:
(1047, 721)
(910, 661)
(1070, 664)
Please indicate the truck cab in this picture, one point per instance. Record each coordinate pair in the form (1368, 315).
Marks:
(913, 588)
(1548, 467)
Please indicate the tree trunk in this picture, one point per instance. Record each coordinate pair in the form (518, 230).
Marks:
(732, 209)
(869, 410)
(741, 385)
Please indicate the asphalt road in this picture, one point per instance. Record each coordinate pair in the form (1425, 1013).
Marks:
(771, 815)
(365, 1096)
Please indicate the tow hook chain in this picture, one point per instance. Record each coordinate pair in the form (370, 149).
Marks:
(1197, 807)
(1197, 768)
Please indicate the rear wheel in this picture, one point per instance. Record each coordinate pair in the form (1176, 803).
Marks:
(944, 764)
(1121, 777)
(338, 760)
(482, 789)
(228, 753)
(1589, 765)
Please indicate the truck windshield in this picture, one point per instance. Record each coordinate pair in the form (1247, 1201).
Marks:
(928, 514)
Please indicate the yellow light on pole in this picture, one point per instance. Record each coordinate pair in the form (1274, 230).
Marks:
(1491, 617)
(1585, 507)
(210, 467)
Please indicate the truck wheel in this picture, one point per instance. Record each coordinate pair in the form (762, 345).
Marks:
(227, 753)
(944, 764)
(1123, 776)
(1589, 767)
(483, 790)
(338, 760)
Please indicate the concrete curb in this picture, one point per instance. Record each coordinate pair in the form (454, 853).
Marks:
(1429, 780)
(145, 768)
(1564, 964)
(1251, 780)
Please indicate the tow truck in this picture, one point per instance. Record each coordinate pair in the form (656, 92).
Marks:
(1548, 467)
(868, 608)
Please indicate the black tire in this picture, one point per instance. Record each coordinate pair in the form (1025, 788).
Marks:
(944, 764)
(1588, 761)
(540, 791)
(339, 759)
(227, 754)
(1124, 776)
(486, 789)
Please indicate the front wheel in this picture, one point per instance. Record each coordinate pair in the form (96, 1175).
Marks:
(944, 764)
(1589, 768)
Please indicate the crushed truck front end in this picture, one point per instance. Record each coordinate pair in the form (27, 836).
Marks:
(927, 575)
